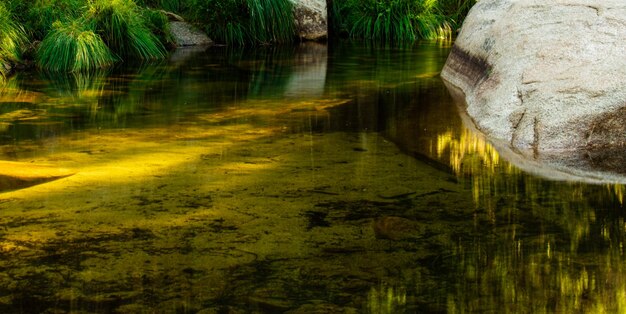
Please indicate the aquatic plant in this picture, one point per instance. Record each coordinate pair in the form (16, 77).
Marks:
(397, 20)
(177, 6)
(376, 21)
(39, 16)
(455, 11)
(158, 23)
(271, 20)
(237, 22)
(224, 19)
(12, 38)
(122, 27)
(72, 47)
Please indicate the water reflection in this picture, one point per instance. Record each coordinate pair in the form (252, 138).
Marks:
(296, 180)
(565, 236)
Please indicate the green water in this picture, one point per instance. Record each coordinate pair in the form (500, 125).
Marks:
(300, 179)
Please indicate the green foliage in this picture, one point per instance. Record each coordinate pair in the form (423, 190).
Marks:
(12, 38)
(158, 23)
(223, 19)
(122, 27)
(271, 20)
(41, 14)
(455, 10)
(177, 6)
(240, 22)
(72, 47)
(382, 21)
(397, 20)
(232, 34)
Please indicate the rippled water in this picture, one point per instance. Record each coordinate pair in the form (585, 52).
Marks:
(304, 180)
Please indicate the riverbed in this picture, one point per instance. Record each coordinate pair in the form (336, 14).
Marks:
(307, 179)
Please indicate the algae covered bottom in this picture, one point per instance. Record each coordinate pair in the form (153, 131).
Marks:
(299, 180)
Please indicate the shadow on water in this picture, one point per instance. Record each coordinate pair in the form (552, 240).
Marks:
(295, 179)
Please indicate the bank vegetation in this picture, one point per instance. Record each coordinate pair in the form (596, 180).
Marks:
(82, 35)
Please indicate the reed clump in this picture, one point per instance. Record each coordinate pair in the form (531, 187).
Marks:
(12, 39)
(122, 27)
(80, 35)
(40, 16)
(397, 21)
(73, 47)
(246, 22)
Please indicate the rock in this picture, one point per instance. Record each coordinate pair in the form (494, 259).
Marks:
(172, 16)
(397, 228)
(15, 175)
(186, 35)
(544, 76)
(311, 19)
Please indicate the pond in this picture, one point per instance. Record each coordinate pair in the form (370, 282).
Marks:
(306, 179)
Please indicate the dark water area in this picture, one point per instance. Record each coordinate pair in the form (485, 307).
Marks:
(307, 179)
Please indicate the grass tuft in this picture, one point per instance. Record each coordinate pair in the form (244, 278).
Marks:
(245, 22)
(271, 21)
(41, 15)
(122, 27)
(12, 39)
(71, 47)
(397, 21)
(158, 23)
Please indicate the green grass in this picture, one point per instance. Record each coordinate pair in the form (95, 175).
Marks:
(176, 6)
(72, 47)
(383, 24)
(12, 40)
(455, 11)
(271, 21)
(397, 21)
(224, 20)
(41, 14)
(245, 22)
(122, 27)
(158, 23)
(232, 34)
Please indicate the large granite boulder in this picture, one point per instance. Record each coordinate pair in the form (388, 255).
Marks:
(544, 76)
(311, 19)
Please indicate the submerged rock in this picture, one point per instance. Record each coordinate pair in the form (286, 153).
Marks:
(544, 76)
(311, 19)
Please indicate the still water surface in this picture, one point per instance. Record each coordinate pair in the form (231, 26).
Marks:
(300, 180)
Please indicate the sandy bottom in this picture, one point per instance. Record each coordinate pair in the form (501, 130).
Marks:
(236, 218)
